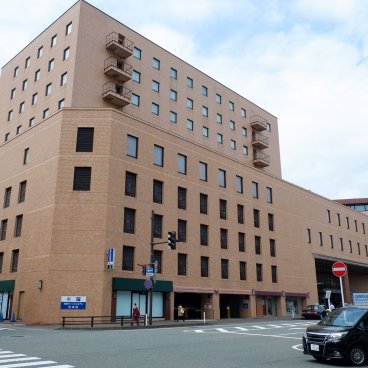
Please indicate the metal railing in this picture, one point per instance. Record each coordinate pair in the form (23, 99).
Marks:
(118, 64)
(116, 89)
(260, 138)
(115, 37)
(257, 120)
(258, 155)
(98, 320)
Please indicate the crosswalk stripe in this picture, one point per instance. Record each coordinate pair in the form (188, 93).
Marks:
(18, 365)
(60, 366)
(18, 359)
(241, 328)
(222, 330)
(275, 326)
(6, 352)
(11, 356)
(199, 331)
(260, 327)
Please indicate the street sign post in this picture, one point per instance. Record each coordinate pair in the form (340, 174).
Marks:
(339, 270)
(148, 284)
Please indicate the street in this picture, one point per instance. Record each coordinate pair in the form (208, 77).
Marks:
(231, 345)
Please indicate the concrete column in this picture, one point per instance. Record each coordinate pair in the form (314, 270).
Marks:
(253, 306)
(281, 306)
(216, 305)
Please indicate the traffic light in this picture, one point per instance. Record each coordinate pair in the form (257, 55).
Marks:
(144, 270)
(171, 239)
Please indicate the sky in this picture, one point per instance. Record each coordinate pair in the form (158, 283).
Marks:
(304, 61)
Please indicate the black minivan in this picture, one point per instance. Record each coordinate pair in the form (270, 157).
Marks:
(342, 334)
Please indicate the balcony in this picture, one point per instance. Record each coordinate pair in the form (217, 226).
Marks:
(259, 141)
(118, 69)
(119, 45)
(260, 159)
(116, 94)
(258, 123)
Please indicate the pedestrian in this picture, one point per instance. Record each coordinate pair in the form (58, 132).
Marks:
(181, 313)
(136, 314)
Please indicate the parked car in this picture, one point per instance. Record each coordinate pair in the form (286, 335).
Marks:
(343, 334)
(314, 311)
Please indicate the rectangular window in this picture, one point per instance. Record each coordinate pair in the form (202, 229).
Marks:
(1, 261)
(204, 91)
(182, 264)
(347, 223)
(358, 246)
(242, 270)
(243, 113)
(10, 115)
(218, 98)
(66, 53)
(223, 205)
(7, 196)
(12, 94)
(4, 228)
(203, 203)
(204, 266)
(231, 106)
(130, 184)
(320, 239)
(270, 222)
(219, 138)
(341, 245)
(269, 194)
(155, 86)
(259, 272)
(205, 111)
(26, 156)
(239, 184)
(350, 247)
(254, 189)
(61, 104)
(53, 40)
(256, 218)
(31, 122)
(189, 124)
(51, 65)
(182, 198)
(22, 191)
(158, 155)
(136, 76)
(189, 82)
(157, 256)
(205, 131)
(82, 178)
(14, 261)
(338, 219)
(173, 95)
(157, 191)
(39, 52)
(232, 144)
(219, 119)
(356, 225)
(155, 109)
(19, 129)
(173, 73)
(272, 248)
(257, 244)
(363, 227)
(84, 140)
(135, 99)
(204, 234)
(309, 237)
(24, 84)
(18, 225)
(329, 216)
(128, 258)
(223, 238)
(37, 75)
(268, 127)
(48, 89)
(182, 231)
(189, 103)
(331, 242)
(63, 78)
(45, 113)
(244, 132)
(34, 98)
(173, 117)
(155, 63)
(222, 178)
(137, 53)
(7, 137)
(68, 28)
(157, 226)
(16, 71)
(129, 220)
(182, 164)
(274, 273)
(224, 268)
(245, 150)
(132, 146)
(240, 214)
(366, 250)
(232, 125)
(202, 171)
(241, 242)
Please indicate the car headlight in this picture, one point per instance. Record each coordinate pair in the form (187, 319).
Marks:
(336, 336)
(305, 334)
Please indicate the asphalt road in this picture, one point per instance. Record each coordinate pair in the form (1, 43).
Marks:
(231, 345)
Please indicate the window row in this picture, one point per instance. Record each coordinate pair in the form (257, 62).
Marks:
(21, 194)
(17, 227)
(53, 42)
(13, 262)
(347, 221)
(340, 243)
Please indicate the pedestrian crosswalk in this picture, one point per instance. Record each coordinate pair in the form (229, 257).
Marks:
(10, 359)
(252, 328)
(7, 328)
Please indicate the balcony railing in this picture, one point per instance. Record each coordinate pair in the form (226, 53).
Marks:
(119, 45)
(118, 69)
(259, 141)
(116, 94)
(260, 159)
(258, 123)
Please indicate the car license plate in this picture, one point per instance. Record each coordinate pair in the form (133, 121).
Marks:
(314, 347)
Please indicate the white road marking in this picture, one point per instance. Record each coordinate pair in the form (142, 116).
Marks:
(260, 327)
(222, 330)
(241, 328)
(18, 365)
(17, 359)
(2, 356)
(298, 347)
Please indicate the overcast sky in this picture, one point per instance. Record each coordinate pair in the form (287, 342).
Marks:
(304, 61)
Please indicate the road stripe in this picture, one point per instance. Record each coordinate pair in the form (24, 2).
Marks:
(241, 328)
(199, 331)
(222, 330)
(6, 352)
(11, 356)
(274, 326)
(18, 359)
(18, 365)
(60, 366)
(260, 327)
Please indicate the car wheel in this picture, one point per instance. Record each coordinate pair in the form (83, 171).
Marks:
(358, 355)
(319, 358)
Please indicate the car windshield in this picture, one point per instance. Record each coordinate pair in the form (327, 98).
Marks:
(343, 317)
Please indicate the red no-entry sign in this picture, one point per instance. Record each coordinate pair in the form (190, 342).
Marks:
(339, 269)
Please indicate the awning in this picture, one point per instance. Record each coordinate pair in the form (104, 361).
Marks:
(138, 285)
(193, 289)
(7, 285)
(267, 293)
(297, 295)
(235, 291)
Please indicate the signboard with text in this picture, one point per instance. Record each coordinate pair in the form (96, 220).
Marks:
(73, 302)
